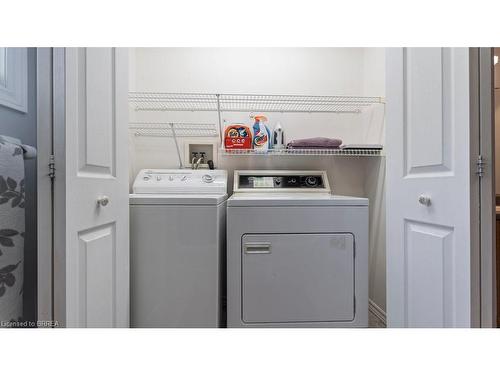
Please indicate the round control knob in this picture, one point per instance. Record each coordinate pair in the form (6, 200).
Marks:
(207, 178)
(145, 178)
(170, 178)
(311, 181)
(292, 181)
(158, 178)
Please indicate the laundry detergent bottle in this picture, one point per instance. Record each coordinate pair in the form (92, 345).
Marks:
(261, 135)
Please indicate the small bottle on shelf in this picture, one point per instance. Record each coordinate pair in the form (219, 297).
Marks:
(278, 137)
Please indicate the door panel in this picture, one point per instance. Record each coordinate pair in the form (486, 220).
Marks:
(98, 285)
(297, 278)
(96, 268)
(428, 110)
(429, 188)
(96, 112)
(430, 278)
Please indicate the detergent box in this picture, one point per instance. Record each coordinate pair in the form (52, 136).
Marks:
(237, 136)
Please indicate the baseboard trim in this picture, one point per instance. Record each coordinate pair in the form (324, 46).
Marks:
(377, 311)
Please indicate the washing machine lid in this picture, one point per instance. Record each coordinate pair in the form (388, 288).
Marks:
(177, 199)
(293, 199)
(180, 181)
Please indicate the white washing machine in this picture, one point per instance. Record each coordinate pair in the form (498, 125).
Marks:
(297, 256)
(177, 248)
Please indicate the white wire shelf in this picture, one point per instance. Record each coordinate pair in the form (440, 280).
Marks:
(295, 151)
(167, 129)
(151, 101)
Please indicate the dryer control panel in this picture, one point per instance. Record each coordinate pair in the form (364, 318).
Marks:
(281, 181)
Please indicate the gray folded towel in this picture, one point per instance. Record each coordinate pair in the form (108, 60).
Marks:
(313, 143)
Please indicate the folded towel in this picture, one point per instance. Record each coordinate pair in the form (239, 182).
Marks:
(314, 143)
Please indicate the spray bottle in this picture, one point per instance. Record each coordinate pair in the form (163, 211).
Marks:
(261, 134)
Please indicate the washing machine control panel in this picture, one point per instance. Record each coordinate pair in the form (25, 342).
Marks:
(299, 181)
(180, 181)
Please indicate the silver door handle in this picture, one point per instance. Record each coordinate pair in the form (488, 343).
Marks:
(103, 201)
(257, 248)
(425, 200)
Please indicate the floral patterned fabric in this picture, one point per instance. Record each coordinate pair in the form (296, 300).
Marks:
(11, 232)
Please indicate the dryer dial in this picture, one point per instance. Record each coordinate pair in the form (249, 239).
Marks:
(311, 181)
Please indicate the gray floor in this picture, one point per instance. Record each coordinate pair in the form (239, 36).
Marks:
(374, 321)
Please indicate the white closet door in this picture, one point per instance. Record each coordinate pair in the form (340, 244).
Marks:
(96, 185)
(428, 188)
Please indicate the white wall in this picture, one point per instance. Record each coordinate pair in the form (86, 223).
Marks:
(374, 84)
(313, 71)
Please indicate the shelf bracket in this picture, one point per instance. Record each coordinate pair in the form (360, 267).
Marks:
(176, 145)
(221, 131)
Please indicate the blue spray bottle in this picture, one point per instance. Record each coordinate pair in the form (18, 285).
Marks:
(261, 135)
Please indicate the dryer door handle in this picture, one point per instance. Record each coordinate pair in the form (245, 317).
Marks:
(257, 248)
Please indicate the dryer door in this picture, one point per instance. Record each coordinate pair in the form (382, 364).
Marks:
(289, 278)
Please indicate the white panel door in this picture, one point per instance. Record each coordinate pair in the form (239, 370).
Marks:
(96, 178)
(428, 188)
